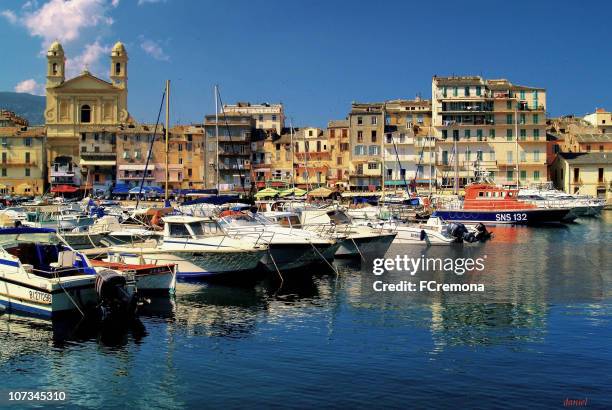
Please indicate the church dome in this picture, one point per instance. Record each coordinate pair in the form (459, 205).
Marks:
(118, 49)
(56, 48)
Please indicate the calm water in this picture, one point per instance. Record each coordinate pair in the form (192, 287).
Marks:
(540, 333)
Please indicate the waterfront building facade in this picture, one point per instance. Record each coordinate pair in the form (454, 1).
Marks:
(585, 173)
(23, 164)
(187, 157)
(312, 157)
(340, 149)
(135, 164)
(366, 129)
(490, 127)
(234, 151)
(266, 116)
(83, 107)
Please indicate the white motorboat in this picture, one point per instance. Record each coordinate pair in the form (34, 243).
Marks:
(544, 195)
(199, 248)
(43, 276)
(290, 247)
(434, 232)
(359, 239)
(150, 278)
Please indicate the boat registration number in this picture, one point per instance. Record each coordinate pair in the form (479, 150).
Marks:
(41, 297)
(519, 217)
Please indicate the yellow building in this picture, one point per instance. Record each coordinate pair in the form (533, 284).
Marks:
(601, 119)
(366, 129)
(312, 157)
(267, 116)
(22, 151)
(84, 105)
(584, 173)
(488, 127)
(187, 157)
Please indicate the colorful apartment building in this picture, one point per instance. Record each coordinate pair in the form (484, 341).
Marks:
(366, 129)
(266, 116)
(312, 157)
(232, 170)
(490, 127)
(134, 164)
(22, 149)
(340, 149)
(585, 173)
(601, 119)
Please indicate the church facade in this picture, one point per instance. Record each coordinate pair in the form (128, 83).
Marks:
(82, 117)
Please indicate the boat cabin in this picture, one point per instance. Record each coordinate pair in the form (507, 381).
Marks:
(488, 196)
(285, 219)
(190, 227)
(40, 252)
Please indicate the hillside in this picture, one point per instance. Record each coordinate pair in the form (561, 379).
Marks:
(31, 107)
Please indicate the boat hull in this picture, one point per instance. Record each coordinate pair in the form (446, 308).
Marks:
(45, 303)
(512, 217)
(288, 256)
(361, 245)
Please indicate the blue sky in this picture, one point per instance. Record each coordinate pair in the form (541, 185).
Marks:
(315, 56)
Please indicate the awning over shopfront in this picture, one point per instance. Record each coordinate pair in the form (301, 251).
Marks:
(98, 163)
(64, 189)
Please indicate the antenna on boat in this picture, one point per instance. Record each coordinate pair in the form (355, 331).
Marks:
(217, 134)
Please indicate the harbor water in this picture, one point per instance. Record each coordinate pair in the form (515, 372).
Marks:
(537, 335)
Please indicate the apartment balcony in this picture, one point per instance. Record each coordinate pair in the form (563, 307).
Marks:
(313, 156)
(467, 165)
(61, 174)
(234, 166)
(136, 177)
(466, 140)
(230, 153)
(19, 163)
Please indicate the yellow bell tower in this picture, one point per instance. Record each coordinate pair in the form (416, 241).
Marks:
(56, 65)
(119, 59)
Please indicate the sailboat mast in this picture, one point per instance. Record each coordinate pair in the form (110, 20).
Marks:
(292, 156)
(516, 136)
(167, 136)
(217, 134)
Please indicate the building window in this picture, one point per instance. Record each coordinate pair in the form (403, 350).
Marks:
(601, 148)
(374, 135)
(600, 175)
(189, 172)
(374, 120)
(444, 91)
(359, 120)
(479, 155)
(536, 134)
(523, 175)
(468, 155)
(3, 172)
(85, 114)
(54, 69)
(509, 134)
(509, 157)
(466, 91)
(479, 135)
(444, 134)
(359, 136)
(274, 118)
(509, 119)
(588, 148)
(420, 118)
(492, 133)
(456, 135)
(536, 155)
(373, 150)
(359, 150)
(536, 175)
(536, 118)
(509, 105)
(332, 134)
(509, 175)
(522, 119)
(467, 134)
(117, 68)
(27, 157)
(523, 134)
(27, 172)
(478, 90)
(372, 165)
(523, 156)
(310, 133)
(455, 91)
(27, 142)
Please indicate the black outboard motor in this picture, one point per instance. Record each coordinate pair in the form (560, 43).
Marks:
(482, 233)
(114, 300)
(457, 231)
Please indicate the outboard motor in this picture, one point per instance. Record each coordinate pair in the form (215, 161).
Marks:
(457, 231)
(482, 233)
(114, 299)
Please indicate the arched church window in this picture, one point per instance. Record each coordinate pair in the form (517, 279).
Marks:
(85, 113)
(54, 68)
(117, 68)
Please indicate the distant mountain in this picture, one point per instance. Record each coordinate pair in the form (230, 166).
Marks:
(28, 106)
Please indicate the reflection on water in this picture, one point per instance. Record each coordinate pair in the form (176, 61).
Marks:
(543, 319)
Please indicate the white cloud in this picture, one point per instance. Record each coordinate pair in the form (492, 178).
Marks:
(153, 49)
(143, 2)
(89, 59)
(65, 20)
(30, 86)
(10, 16)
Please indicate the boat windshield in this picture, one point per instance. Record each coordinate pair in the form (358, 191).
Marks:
(45, 238)
(240, 220)
(339, 218)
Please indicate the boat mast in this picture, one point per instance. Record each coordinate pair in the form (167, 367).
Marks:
(167, 140)
(292, 156)
(217, 135)
(456, 165)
